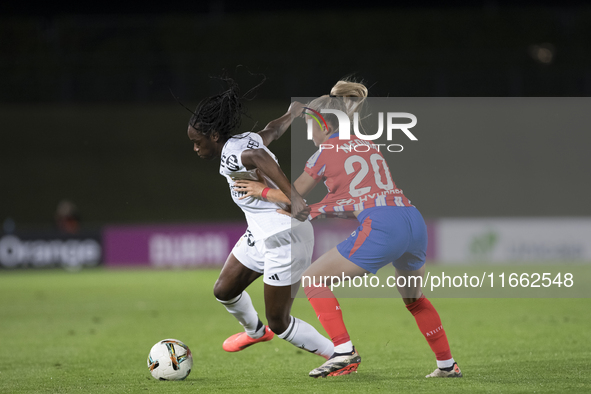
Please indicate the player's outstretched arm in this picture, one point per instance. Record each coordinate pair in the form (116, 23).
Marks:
(255, 189)
(275, 128)
(259, 158)
(303, 185)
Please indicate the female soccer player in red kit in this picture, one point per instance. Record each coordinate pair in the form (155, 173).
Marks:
(391, 231)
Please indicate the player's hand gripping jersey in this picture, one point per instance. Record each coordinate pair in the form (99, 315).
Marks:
(261, 216)
(356, 180)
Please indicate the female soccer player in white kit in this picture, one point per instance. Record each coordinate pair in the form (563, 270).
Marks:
(266, 248)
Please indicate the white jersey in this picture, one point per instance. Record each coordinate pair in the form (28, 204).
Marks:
(262, 216)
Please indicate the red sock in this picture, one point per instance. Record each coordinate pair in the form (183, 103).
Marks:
(430, 325)
(329, 313)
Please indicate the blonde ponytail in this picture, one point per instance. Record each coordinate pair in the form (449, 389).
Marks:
(345, 88)
(353, 93)
(345, 96)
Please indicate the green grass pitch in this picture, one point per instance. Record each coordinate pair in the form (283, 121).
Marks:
(90, 332)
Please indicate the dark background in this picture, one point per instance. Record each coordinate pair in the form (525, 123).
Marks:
(86, 111)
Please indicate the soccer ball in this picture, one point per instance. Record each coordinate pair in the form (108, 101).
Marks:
(170, 359)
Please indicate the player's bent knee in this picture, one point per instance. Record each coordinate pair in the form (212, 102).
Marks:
(222, 292)
(278, 325)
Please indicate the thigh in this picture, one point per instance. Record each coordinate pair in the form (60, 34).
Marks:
(332, 263)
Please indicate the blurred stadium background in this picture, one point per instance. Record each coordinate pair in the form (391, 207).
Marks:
(88, 117)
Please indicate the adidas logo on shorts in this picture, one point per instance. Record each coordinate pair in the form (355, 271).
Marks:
(274, 277)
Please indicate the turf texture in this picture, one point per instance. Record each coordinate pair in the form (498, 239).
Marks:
(91, 331)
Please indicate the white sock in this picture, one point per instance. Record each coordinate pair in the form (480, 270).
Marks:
(301, 334)
(346, 347)
(243, 310)
(445, 363)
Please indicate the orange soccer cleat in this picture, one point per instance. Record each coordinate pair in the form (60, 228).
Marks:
(241, 341)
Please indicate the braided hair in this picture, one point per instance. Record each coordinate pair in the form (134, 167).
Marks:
(220, 114)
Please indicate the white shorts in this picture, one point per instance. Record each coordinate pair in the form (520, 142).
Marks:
(282, 258)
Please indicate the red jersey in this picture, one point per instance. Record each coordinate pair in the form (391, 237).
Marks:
(356, 176)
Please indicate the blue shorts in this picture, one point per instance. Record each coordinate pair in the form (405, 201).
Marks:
(396, 235)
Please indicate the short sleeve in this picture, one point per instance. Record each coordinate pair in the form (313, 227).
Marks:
(316, 166)
(232, 152)
(231, 160)
(255, 141)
